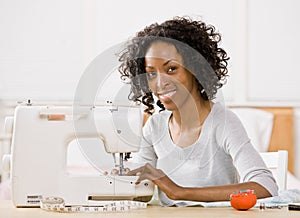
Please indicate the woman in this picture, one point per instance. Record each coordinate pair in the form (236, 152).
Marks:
(195, 149)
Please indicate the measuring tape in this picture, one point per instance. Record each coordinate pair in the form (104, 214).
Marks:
(57, 204)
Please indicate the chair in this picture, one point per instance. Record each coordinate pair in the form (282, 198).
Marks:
(277, 162)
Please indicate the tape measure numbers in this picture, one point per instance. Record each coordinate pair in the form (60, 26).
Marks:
(57, 204)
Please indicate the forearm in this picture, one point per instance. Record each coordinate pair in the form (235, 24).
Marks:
(213, 193)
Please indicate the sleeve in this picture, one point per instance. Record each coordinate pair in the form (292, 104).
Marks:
(246, 158)
(146, 153)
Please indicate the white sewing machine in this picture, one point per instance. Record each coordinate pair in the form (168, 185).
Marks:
(40, 139)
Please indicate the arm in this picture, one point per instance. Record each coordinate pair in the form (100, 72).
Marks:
(248, 163)
(175, 192)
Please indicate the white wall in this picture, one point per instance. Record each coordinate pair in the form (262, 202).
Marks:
(273, 50)
(47, 44)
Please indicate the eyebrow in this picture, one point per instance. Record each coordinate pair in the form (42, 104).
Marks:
(164, 64)
(168, 62)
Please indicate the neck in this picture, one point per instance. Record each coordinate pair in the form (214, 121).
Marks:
(192, 114)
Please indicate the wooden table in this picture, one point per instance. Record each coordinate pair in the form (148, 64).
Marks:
(7, 210)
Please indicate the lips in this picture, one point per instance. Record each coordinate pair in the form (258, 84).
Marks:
(165, 96)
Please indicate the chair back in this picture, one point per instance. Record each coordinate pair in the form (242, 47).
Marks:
(277, 162)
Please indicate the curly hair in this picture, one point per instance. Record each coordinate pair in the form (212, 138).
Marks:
(195, 41)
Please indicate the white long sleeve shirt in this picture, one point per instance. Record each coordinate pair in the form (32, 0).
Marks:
(223, 154)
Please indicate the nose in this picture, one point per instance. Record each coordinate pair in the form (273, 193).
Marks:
(163, 82)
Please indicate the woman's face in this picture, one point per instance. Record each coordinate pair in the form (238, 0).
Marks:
(170, 82)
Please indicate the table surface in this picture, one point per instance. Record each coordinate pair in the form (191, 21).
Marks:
(7, 210)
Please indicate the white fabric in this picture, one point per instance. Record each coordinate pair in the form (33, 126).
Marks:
(282, 200)
(258, 125)
(222, 154)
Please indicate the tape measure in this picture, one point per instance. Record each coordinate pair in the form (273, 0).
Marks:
(57, 204)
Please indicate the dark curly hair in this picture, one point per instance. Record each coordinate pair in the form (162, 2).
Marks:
(195, 41)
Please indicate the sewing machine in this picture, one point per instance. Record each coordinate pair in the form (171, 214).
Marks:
(40, 139)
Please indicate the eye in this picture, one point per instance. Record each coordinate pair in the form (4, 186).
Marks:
(172, 69)
(151, 75)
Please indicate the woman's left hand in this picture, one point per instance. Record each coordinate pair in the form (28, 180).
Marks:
(146, 172)
(159, 178)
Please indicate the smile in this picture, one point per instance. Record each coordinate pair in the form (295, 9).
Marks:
(167, 94)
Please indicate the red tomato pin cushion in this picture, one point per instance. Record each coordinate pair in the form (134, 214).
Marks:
(243, 200)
